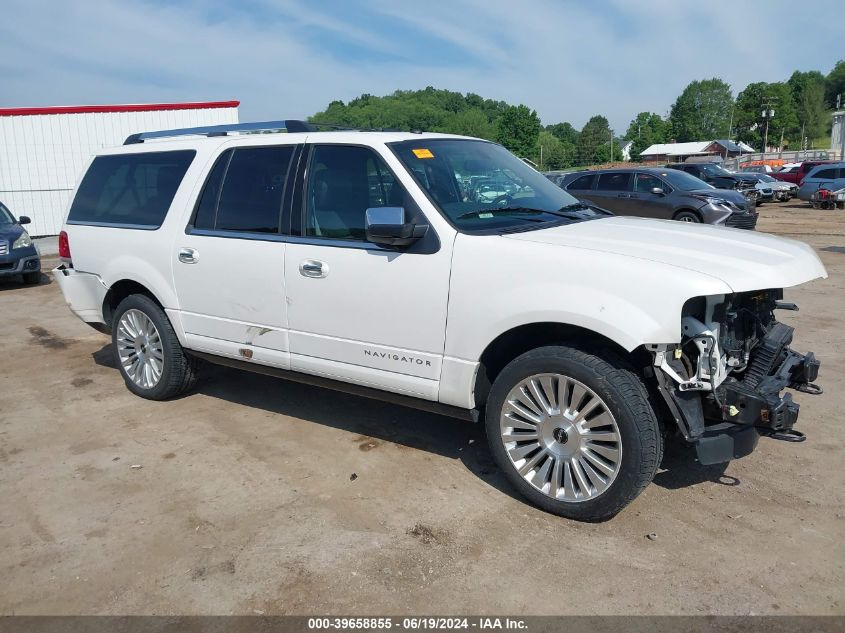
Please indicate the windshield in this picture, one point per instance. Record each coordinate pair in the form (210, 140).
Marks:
(6, 217)
(684, 181)
(766, 178)
(481, 186)
(714, 170)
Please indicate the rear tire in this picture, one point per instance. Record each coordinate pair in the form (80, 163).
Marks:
(596, 443)
(688, 216)
(147, 352)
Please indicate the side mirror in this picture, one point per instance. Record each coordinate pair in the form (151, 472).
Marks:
(387, 226)
(657, 191)
(24, 219)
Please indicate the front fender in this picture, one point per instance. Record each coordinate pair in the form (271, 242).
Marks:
(630, 301)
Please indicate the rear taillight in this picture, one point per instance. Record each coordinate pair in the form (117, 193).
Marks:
(64, 247)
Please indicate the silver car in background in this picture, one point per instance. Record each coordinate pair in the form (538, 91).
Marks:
(769, 188)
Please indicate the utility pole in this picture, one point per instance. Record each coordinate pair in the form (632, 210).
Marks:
(803, 140)
(611, 146)
(768, 114)
(731, 125)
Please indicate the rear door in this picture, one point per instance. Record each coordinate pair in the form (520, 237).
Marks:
(228, 266)
(613, 191)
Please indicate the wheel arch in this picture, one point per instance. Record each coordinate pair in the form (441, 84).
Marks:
(523, 338)
(695, 212)
(121, 289)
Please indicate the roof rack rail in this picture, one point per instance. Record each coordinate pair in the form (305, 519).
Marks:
(289, 125)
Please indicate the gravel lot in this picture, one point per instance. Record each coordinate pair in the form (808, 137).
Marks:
(255, 495)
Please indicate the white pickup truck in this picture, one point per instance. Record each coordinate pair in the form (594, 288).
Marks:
(360, 260)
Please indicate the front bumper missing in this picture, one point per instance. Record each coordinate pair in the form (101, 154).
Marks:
(726, 424)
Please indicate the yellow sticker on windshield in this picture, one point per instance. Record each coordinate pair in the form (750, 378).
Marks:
(423, 153)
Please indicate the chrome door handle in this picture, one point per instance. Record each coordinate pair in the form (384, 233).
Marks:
(189, 255)
(313, 268)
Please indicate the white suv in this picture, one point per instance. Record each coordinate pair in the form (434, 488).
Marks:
(444, 273)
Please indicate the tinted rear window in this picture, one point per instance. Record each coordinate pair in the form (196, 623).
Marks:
(584, 182)
(614, 181)
(827, 174)
(133, 190)
(244, 190)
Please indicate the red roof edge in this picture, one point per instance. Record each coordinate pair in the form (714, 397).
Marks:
(133, 107)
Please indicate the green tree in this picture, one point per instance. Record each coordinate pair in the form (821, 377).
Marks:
(808, 95)
(472, 122)
(836, 84)
(702, 112)
(593, 145)
(646, 129)
(813, 113)
(564, 132)
(556, 154)
(750, 123)
(429, 109)
(518, 129)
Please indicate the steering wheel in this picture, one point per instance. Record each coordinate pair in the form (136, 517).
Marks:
(502, 201)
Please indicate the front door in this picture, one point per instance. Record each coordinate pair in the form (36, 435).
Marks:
(228, 267)
(643, 203)
(356, 311)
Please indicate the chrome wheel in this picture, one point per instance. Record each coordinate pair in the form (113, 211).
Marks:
(139, 349)
(561, 437)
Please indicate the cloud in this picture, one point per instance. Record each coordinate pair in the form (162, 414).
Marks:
(288, 58)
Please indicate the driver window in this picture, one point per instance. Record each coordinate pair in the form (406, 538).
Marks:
(343, 182)
(647, 182)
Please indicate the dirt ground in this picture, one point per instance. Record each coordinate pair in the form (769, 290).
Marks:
(253, 495)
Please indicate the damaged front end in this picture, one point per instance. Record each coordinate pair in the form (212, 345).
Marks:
(723, 382)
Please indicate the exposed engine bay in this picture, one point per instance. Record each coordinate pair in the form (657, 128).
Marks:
(730, 368)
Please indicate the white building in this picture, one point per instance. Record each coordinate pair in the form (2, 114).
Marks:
(43, 150)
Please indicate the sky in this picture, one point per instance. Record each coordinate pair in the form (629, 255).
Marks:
(289, 58)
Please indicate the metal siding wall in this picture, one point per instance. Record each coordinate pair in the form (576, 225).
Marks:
(42, 156)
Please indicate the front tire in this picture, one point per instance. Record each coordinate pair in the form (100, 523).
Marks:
(32, 278)
(573, 432)
(688, 216)
(146, 350)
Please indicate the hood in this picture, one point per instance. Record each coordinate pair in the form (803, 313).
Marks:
(10, 232)
(744, 260)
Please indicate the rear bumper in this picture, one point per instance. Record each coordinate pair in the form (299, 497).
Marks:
(83, 292)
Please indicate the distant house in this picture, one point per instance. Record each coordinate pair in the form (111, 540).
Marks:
(679, 152)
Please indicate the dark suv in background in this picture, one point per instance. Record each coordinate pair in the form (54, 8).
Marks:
(716, 175)
(666, 194)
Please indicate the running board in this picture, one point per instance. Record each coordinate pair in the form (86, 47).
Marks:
(470, 415)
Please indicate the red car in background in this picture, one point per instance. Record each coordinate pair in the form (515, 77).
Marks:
(796, 174)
